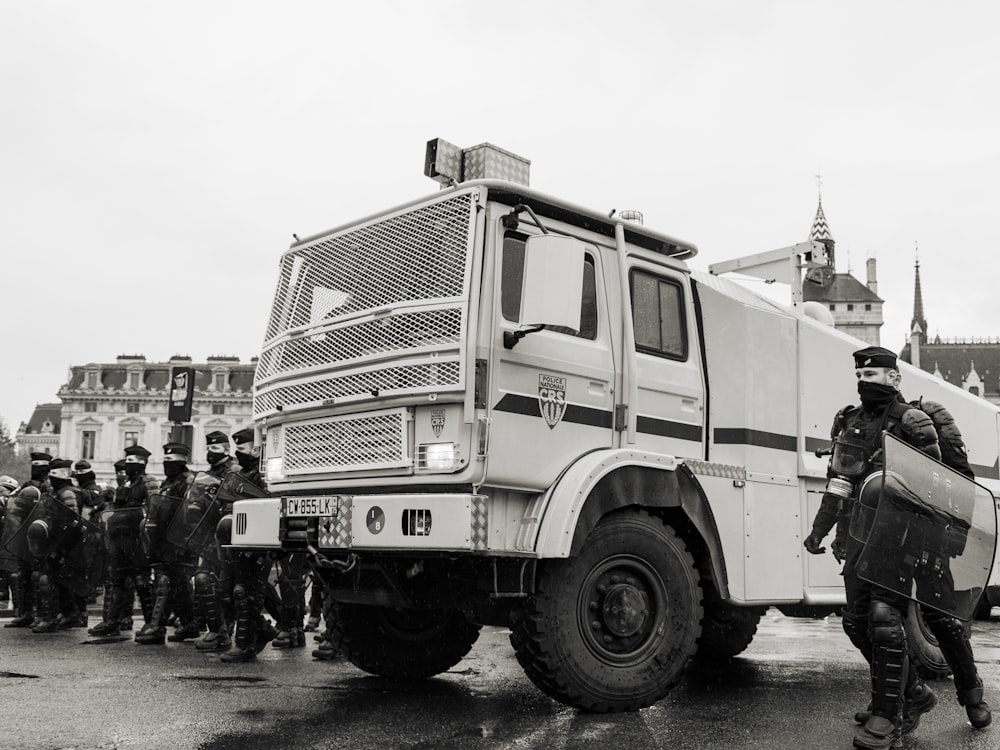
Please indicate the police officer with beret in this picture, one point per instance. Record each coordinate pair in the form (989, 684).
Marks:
(213, 581)
(172, 568)
(873, 618)
(125, 563)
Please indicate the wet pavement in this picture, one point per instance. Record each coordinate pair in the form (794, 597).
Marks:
(797, 686)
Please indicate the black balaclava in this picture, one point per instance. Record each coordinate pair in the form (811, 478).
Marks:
(874, 395)
(174, 468)
(247, 460)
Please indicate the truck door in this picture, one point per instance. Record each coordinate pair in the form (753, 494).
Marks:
(552, 394)
(669, 413)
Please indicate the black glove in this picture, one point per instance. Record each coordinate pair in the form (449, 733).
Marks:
(812, 544)
(839, 545)
(839, 548)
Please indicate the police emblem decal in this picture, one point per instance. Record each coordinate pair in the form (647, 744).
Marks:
(551, 398)
(437, 421)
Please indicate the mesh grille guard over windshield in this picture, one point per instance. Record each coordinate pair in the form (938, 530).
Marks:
(375, 309)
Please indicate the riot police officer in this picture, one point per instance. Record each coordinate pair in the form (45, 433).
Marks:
(172, 568)
(125, 561)
(873, 618)
(8, 486)
(250, 569)
(22, 590)
(57, 606)
(91, 498)
(213, 581)
(89, 492)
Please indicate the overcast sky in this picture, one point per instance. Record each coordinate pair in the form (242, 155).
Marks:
(155, 159)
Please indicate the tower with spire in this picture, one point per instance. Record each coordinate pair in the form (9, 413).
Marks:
(856, 308)
(971, 364)
(918, 324)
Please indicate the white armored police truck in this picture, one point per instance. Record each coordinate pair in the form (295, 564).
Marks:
(493, 407)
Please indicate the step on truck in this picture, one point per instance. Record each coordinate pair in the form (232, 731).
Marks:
(491, 406)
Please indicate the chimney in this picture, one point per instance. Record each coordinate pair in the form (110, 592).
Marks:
(872, 281)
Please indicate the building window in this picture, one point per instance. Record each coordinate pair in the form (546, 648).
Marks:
(91, 380)
(88, 439)
(220, 381)
(90, 406)
(850, 308)
(833, 307)
(868, 308)
(133, 381)
(132, 407)
(131, 438)
(218, 408)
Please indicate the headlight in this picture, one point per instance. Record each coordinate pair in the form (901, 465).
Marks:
(273, 469)
(438, 457)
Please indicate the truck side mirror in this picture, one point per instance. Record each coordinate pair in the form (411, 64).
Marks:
(552, 285)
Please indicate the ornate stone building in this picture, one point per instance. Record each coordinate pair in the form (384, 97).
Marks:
(856, 308)
(106, 407)
(41, 431)
(971, 364)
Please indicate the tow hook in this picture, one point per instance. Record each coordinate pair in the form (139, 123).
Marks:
(322, 561)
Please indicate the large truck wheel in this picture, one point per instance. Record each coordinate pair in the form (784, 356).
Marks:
(401, 644)
(727, 630)
(925, 653)
(613, 628)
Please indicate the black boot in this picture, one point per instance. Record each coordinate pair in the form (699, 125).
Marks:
(23, 617)
(976, 708)
(48, 606)
(217, 638)
(154, 632)
(108, 626)
(144, 591)
(246, 625)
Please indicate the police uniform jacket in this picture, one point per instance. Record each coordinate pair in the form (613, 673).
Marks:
(899, 419)
(136, 491)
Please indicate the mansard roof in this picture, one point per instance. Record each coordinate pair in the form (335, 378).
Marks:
(156, 375)
(842, 288)
(955, 360)
(43, 412)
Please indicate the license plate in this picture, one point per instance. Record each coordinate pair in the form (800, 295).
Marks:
(310, 506)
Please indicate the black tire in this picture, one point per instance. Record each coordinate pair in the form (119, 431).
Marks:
(727, 630)
(614, 628)
(984, 609)
(401, 644)
(923, 646)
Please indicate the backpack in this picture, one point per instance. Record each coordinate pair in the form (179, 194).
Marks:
(953, 453)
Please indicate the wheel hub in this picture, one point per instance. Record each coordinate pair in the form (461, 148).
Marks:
(624, 610)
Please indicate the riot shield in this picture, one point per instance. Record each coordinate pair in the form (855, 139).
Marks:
(123, 527)
(235, 486)
(156, 542)
(193, 528)
(14, 546)
(72, 547)
(929, 533)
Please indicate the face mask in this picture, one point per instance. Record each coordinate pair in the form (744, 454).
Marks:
(58, 484)
(82, 479)
(247, 460)
(875, 394)
(174, 468)
(214, 458)
(133, 470)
